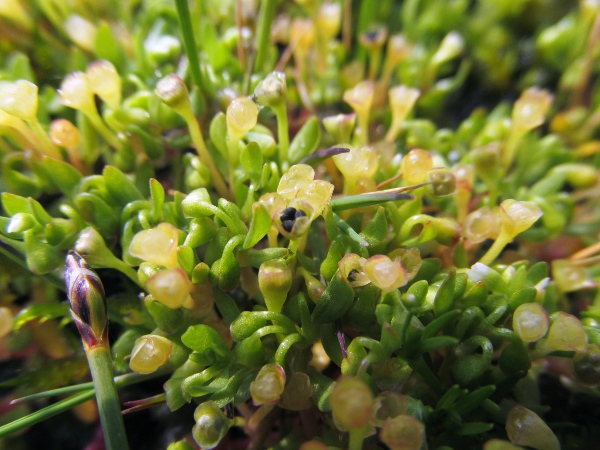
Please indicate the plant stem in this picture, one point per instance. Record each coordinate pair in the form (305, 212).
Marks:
(111, 418)
(283, 137)
(263, 33)
(494, 250)
(183, 12)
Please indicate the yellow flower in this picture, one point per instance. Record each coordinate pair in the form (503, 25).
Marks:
(299, 200)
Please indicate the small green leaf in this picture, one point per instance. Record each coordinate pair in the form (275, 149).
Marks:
(436, 342)
(251, 158)
(259, 226)
(41, 258)
(62, 174)
(205, 340)
(120, 187)
(14, 204)
(445, 295)
(472, 428)
(335, 301)
(218, 133)
(42, 312)
(377, 228)
(306, 140)
(107, 45)
(436, 325)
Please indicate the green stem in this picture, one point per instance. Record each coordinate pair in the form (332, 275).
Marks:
(263, 33)
(357, 436)
(101, 367)
(285, 345)
(185, 20)
(495, 249)
(106, 132)
(283, 137)
(49, 148)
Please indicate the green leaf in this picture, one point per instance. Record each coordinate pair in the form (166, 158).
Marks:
(436, 342)
(251, 159)
(205, 340)
(62, 174)
(14, 204)
(445, 295)
(436, 325)
(335, 301)
(120, 187)
(41, 258)
(218, 133)
(377, 228)
(108, 47)
(358, 201)
(260, 224)
(469, 429)
(42, 312)
(306, 140)
(174, 391)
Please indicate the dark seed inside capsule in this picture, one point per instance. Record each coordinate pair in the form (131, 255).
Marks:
(352, 274)
(288, 217)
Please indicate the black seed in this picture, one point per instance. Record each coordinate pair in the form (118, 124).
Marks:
(287, 225)
(299, 213)
(288, 214)
(352, 274)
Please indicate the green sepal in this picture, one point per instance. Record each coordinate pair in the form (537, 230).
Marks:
(207, 344)
(335, 301)
(306, 140)
(445, 294)
(377, 229)
(260, 224)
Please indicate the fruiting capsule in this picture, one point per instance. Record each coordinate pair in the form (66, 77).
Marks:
(64, 133)
(384, 273)
(482, 224)
(566, 334)
(274, 281)
(211, 425)
(171, 287)
(360, 97)
(402, 100)
(415, 166)
(524, 427)
(272, 90)
(268, 385)
(530, 322)
(241, 116)
(402, 433)
(75, 92)
(518, 216)
(172, 90)
(442, 182)
(157, 245)
(530, 109)
(586, 365)
(149, 353)
(329, 19)
(351, 403)
(82, 32)
(19, 99)
(388, 405)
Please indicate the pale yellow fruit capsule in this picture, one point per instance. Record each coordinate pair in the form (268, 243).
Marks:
(530, 322)
(415, 165)
(171, 287)
(402, 433)
(482, 224)
(566, 334)
(524, 427)
(82, 32)
(149, 353)
(361, 162)
(105, 82)
(242, 114)
(6, 321)
(268, 385)
(571, 277)
(329, 19)
(64, 133)
(157, 245)
(351, 403)
(530, 110)
(19, 99)
(384, 273)
(402, 101)
(320, 359)
(360, 97)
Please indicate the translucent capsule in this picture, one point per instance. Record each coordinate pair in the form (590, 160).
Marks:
(388, 405)
(384, 273)
(402, 433)
(157, 245)
(586, 365)
(268, 385)
(241, 116)
(19, 99)
(566, 334)
(211, 425)
(530, 109)
(518, 216)
(105, 82)
(530, 322)
(64, 133)
(149, 353)
(360, 97)
(75, 92)
(415, 166)
(524, 427)
(171, 287)
(351, 403)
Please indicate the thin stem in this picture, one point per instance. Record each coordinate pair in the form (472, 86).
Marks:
(101, 128)
(347, 24)
(495, 249)
(283, 136)
(185, 20)
(48, 147)
(101, 367)
(357, 436)
(263, 33)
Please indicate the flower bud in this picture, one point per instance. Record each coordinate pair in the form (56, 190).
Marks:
(211, 425)
(272, 90)
(530, 109)
(149, 353)
(64, 133)
(415, 166)
(86, 298)
(268, 385)
(274, 281)
(171, 287)
(361, 162)
(105, 82)
(397, 49)
(75, 92)
(241, 116)
(172, 91)
(351, 403)
(530, 322)
(340, 126)
(451, 46)
(402, 433)
(402, 101)
(373, 38)
(157, 245)
(524, 427)
(6, 321)
(82, 32)
(360, 97)
(19, 99)
(586, 365)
